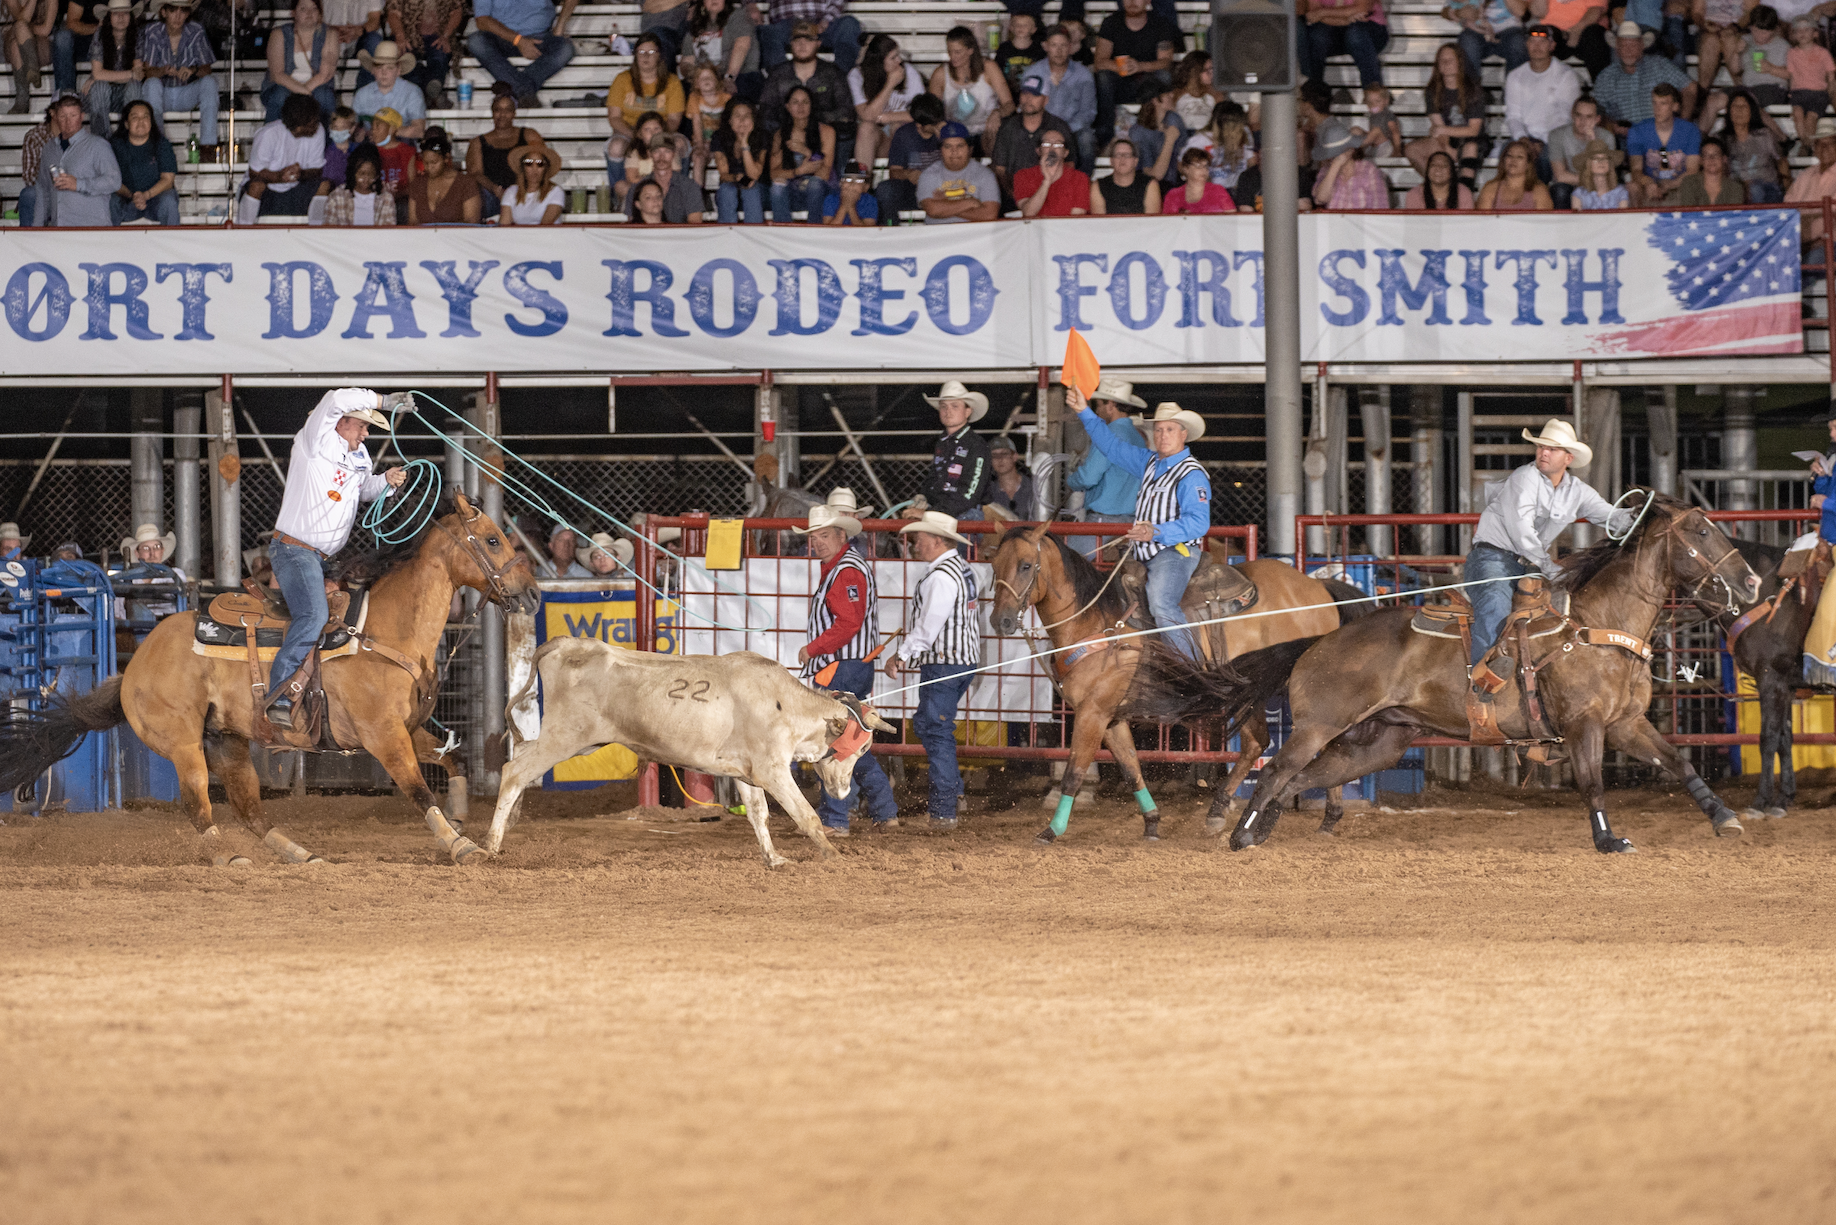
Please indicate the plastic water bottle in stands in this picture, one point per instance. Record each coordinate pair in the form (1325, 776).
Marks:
(465, 95)
(191, 151)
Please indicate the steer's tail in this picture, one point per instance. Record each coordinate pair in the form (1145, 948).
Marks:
(32, 741)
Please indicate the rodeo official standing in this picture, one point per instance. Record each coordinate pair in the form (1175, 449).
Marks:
(328, 477)
(944, 644)
(845, 630)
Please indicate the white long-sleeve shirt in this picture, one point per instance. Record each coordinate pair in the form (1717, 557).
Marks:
(326, 479)
(1537, 103)
(944, 628)
(1525, 513)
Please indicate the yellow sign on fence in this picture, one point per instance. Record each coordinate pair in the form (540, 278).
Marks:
(1817, 714)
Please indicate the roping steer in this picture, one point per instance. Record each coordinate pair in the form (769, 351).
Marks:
(738, 715)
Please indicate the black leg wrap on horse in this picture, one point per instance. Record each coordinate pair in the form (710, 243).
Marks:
(1604, 841)
(1719, 814)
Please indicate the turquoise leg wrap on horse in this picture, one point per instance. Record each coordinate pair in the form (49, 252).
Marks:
(1062, 818)
(1146, 801)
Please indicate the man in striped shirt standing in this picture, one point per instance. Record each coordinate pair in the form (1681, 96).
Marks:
(1172, 510)
(845, 631)
(943, 643)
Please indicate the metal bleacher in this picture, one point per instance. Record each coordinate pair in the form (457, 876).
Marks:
(578, 129)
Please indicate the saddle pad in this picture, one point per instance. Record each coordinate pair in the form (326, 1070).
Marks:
(1441, 620)
(214, 632)
(266, 654)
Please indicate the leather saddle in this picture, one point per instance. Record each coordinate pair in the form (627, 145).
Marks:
(1533, 616)
(231, 616)
(1216, 589)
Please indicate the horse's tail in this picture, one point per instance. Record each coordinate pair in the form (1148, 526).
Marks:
(32, 741)
(1172, 688)
(1345, 592)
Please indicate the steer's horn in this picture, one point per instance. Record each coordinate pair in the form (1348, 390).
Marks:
(870, 718)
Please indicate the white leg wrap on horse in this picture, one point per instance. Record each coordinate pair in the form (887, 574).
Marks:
(286, 847)
(452, 842)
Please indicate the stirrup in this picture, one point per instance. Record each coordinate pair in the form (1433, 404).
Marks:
(280, 713)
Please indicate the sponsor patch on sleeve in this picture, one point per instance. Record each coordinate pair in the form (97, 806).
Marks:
(1204, 494)
(854, 593)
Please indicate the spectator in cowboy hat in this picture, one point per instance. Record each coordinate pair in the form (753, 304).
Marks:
(844, 627)
(12, 544)
(147, 545)
(387, 64)
(609, 554)
(959, 460)
(1109, 490)
(943, 645)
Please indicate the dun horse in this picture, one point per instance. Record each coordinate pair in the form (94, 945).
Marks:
(1362, 693)
(199, 713)
(1034, 569)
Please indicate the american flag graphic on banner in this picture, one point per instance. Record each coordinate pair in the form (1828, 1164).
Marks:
(1734, 286)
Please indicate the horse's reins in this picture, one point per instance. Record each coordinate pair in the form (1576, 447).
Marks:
(1022, 597)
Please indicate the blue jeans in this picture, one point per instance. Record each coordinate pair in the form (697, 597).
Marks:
(199, 95)
(430, 66)
(895, 196)
(943, 686)
(1765, 193)
(731, 199)
(28, 204)
(1167, 576)
(843, 37)
(301, 575)
(67, 46)
(1509, 44)
(163, 208)
(855, 676)
(273, 97)
(1364, 41)
(1492, 601)
(806, 192)
(494, 53)
(106, 96)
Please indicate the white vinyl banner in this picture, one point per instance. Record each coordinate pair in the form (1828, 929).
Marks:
(1145, 291)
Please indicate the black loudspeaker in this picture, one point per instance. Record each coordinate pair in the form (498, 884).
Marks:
(1252, 46)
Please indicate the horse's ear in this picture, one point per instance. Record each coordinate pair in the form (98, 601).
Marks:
(462, 502)
(1039, 533)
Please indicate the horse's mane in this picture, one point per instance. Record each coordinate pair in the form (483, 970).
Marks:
(367, 565)
(1582, 566)
(1086, 580)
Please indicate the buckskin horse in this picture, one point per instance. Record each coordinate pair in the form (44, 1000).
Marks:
(199, 712)
(1098, 674)
(1362, 693)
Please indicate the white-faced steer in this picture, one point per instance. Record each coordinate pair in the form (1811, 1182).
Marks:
(738, 715)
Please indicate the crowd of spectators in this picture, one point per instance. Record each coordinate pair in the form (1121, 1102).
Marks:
(726, 116)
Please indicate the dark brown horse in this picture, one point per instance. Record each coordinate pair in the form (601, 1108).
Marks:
(1034, 569)
(1362, 693)
(1770, 649)
(199, 713)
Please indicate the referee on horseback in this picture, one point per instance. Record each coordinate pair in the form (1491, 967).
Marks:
(328, 477)
(1522, 517)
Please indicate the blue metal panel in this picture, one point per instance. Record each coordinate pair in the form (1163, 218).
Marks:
(57, 636)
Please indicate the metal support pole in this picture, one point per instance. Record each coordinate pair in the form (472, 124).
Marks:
(1281, 301)
(1425, 418)
(1314, 466)
(1740, 449)
(187, 525)
(1661, 432)
(491, 630)
(225, 484)
(146, 452)
(1374, 408)
(1463, 465)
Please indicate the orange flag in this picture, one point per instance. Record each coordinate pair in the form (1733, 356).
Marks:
(1081, 370)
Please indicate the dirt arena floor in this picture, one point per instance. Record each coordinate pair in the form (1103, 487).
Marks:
(1457, 1013)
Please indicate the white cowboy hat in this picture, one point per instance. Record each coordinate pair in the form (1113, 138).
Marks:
(1169, 411)
(145, 533)
(10, 531)
(831, 516)
(114, 6)
(1826, 127)
(370, 416)
(1631, 29)
(619, 549)
(257, 554)
(936, 523)
(954, 390)
(1117, 391)
(387, 53)
(1559, 433)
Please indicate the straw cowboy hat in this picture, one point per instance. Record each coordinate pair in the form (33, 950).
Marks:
(1631, 29)
(143, 534)
(954, 390)
(551, 166)
(936, 523)
(114, 6)
(387, 53)
(1559, 433)
(374, 418)
(1826, 127)
(1169, 411)
(619, 549)
(838, 511)
(10, 531)
(1117, 391)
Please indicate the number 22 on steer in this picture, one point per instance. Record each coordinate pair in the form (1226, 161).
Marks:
(679, 686)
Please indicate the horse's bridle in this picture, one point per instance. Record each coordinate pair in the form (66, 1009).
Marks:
(1731, 603)
(499, 591)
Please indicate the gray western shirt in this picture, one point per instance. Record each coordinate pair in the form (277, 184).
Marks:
(1525, 513)
(90, 160)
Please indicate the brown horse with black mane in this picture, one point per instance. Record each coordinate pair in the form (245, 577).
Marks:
(1098, 673)
(199, 712)
(1362, 693)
